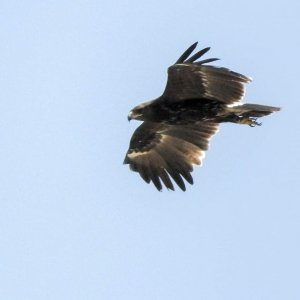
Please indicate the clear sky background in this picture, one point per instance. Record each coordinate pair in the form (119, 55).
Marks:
(77, 224)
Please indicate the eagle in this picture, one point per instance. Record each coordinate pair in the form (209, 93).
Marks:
(178, 125)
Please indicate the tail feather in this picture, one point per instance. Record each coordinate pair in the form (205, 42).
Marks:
(253, 110)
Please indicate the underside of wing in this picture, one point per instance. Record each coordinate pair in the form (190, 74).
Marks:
(188, 79)
(160, 152)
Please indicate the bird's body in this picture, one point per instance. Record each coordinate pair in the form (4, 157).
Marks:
(183, 112)
(179, 124)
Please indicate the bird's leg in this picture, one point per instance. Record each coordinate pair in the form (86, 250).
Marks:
(251, 121)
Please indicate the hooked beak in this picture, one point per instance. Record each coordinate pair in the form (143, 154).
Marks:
(129, 117)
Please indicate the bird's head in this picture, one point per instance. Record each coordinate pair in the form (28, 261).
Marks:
(139, 112)
(136, 114)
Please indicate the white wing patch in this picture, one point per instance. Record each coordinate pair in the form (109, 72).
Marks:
(134, 154)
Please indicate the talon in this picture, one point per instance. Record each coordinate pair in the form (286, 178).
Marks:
(249, 121)
(254, 122)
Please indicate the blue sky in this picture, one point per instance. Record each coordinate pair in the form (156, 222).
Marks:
(77, 224)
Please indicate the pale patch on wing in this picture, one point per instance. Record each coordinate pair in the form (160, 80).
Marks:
(134, 154)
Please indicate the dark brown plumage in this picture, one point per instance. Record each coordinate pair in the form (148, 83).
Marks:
(178, 125)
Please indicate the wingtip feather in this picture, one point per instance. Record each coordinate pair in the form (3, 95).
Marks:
(186, 53)
(198, 55)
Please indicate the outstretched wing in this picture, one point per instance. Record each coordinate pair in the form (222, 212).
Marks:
(159, 152)
(189, 79)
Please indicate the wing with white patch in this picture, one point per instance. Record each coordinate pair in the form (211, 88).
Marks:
(190, 79)
(160, 152)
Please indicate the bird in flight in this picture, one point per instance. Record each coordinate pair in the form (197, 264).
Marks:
(178, 125)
